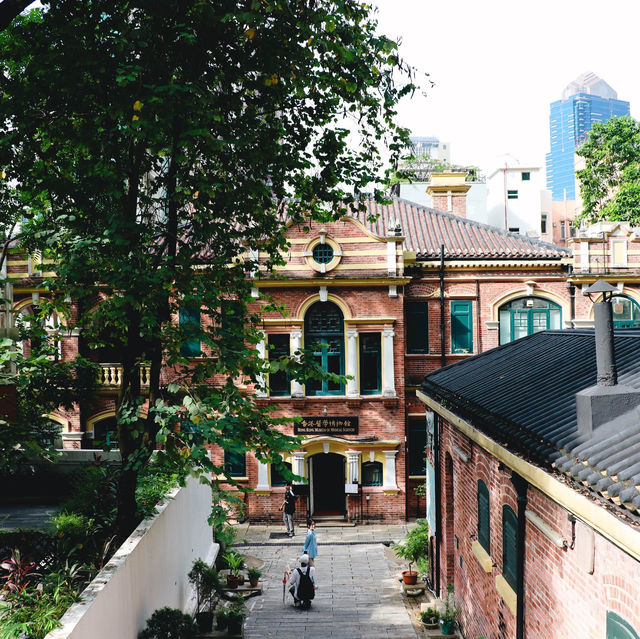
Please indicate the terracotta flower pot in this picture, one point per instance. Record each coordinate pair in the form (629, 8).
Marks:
(410, 577)
(232, 581)
(253, 581)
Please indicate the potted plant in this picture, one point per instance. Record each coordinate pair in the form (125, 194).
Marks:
(448, 617)
(254, 576)
(412, 549)
(222, 618)
(237, 614)
(430, 618)
(205, 581)
(234, 562)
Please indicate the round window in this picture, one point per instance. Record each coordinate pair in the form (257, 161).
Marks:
(322, 253)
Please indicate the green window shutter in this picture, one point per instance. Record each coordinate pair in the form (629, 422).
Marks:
(417, 327)
(417, 446)
(483, 516)
(189, 321)
(235, 464)
(510, 546)
(279, 383)
(370, 364)
(461, 326)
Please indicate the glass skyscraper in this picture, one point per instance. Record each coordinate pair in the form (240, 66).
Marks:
(586, 100)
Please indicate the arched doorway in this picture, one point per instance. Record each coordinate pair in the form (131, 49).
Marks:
(327, 472)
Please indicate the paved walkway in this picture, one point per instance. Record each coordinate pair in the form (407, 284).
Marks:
(358, 594)
(27, 517)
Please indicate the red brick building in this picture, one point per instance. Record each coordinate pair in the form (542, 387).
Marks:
(537, 511)
(395, 299)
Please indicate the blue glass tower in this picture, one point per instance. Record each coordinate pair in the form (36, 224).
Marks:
(586, 100)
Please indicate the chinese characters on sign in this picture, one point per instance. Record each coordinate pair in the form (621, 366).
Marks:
(327, 426)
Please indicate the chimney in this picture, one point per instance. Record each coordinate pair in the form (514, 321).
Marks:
(448, 191)
(606, 400)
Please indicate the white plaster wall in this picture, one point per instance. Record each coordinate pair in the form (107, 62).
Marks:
(147, 572)
(523, 213)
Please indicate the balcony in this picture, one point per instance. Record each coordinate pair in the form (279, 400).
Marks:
(111, 375)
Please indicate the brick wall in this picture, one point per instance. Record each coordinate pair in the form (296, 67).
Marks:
(562, 599)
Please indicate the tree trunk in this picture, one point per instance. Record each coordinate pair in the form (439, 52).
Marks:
(130, 437)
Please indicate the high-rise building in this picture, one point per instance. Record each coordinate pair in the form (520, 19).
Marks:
(586, 100)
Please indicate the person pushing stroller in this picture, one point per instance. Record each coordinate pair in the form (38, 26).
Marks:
(301, 583)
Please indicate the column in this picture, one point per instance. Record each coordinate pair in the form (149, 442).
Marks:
(298, 464)
(389, 477)
(389, 383)
(296, 345)
(263, 476)
(261, 347)
(353, 462)
(352, 362)
(391, 257)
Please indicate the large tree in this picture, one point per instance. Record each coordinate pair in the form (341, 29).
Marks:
(610, 181)
(157, 147)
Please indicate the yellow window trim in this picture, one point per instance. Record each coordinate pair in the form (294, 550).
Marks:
(483, 557)
(507, 593)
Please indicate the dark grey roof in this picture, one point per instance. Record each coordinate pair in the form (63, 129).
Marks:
(522, 395)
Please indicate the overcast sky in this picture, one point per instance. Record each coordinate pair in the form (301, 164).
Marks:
(497, 65)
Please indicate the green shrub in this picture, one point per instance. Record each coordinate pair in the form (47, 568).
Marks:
(72, 524)
(154, 482)
(169, 623)
(37, 610)
(94, 493)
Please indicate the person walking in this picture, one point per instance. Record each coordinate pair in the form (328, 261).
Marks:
(302, 584)
(310, 545)
(289, 507)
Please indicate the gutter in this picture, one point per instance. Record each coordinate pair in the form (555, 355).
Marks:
(521, 488)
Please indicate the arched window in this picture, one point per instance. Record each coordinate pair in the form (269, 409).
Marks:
(527, 315)
(626, 312)
(510, 546)
(483, 516)
(372, 474)
(324, 335)
(105, 434)
(619, 628)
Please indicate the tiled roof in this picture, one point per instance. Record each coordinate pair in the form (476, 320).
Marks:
(425, 230)
(522, 395)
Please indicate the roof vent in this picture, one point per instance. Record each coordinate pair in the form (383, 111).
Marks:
(606, 400)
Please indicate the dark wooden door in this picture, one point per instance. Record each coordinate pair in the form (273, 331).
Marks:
(328, 484)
